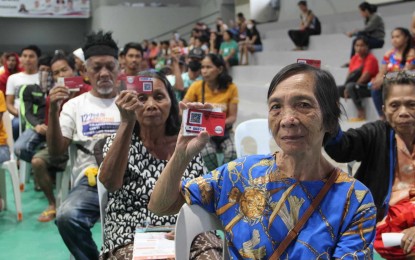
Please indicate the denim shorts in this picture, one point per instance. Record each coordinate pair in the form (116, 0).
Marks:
(257, 47)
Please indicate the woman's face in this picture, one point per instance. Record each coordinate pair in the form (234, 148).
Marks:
(295, 117)
(398, 39)
(399, 108)
(226, 36)
(156, 106)
(364, 13)
(361, 48)
(209, 71)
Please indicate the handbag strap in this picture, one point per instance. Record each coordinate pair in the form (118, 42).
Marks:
(203, 92)
(297, 228)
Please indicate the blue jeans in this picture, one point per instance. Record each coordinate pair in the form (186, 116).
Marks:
(15, 128)
(76, 216)
(377, 99)
(27, 143)
(4, 153)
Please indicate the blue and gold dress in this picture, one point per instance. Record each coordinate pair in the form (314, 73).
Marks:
(258, 206)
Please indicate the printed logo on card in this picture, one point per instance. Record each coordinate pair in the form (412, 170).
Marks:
(130, 80)
(218, 129)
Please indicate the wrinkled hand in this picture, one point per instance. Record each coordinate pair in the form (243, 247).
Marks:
(408, 240)
(127, 103)
(171, 235)
(41, 129)
(189, 146)
(377, 83)
(57, 95)
(350, 34)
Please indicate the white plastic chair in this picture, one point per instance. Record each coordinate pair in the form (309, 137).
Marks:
(25, 168)
(65, 177)
(256, 129)
(11, 167)
(191, 221)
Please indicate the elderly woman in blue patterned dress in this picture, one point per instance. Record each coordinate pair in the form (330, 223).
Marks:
(261, 199)
(134, 159)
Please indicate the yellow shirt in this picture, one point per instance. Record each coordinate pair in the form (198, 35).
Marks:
(219, 98)
(3, 134)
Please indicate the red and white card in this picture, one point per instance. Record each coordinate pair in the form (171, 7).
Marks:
(141, 84)
(198, 120)
(315, 63)
(73, 83)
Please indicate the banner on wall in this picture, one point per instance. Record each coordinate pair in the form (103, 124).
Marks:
(45, 8)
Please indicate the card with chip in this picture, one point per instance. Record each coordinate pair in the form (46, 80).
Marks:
(73, 83)
(141, 84)
(315, 63)
(198, 120)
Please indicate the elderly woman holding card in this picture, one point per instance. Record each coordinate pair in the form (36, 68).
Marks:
(216, 88)
(287, 205)
(134, 159)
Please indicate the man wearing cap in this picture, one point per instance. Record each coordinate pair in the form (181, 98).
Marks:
(83, 121)
(192, 74)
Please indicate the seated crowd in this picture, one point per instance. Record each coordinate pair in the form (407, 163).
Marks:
(271, 206)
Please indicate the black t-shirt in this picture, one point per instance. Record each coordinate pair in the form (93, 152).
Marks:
(254, 32)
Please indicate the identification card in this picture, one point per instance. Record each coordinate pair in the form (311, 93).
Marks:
(140, 84)
(73, 83)
(198, 120)
(315, 63)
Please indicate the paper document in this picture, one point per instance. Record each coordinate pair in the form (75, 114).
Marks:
(153, 245)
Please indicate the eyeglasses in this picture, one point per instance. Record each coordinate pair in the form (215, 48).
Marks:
(400, 74)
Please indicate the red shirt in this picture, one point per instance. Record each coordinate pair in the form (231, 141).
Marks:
(370, 64)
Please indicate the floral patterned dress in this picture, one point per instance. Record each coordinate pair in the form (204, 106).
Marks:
(127, 207)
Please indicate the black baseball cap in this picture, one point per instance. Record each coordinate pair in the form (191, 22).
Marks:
(197, 53)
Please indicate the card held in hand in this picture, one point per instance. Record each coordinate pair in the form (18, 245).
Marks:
(141, 84)
(198, 120)
(74, 84)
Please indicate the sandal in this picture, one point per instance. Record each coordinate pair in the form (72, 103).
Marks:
(47, 215)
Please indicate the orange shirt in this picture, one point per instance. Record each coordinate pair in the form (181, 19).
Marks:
(404, 173)
(219, 98)
(3, 134)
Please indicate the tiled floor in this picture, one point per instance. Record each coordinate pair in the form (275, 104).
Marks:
(31, 239)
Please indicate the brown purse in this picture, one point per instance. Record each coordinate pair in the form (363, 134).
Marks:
(307, 214)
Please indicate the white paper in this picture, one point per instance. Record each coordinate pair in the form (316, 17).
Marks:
(153, 246)
(392, 239)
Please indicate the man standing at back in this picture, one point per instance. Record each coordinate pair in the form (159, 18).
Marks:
(83, 121)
